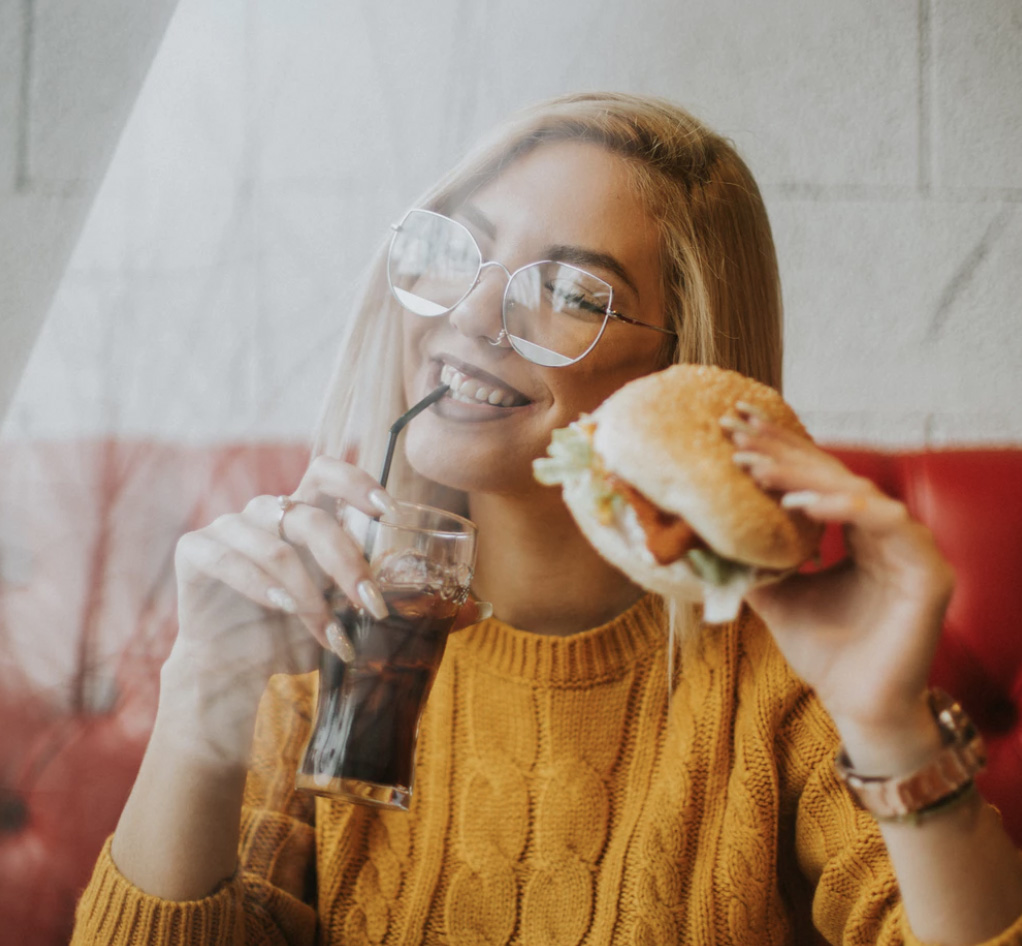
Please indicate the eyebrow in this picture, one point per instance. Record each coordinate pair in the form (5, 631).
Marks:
(559, 253)
(579, 256)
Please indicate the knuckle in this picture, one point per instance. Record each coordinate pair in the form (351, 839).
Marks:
(255, 505)
(280, 552)
(863, 485)
(222, 522)
(226, 558)
(186, 543)
(319, 462)
(766, 474)
(322, 467)
(899, 512)
(186, 550)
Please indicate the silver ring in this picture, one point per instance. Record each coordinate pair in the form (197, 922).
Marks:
(286, 504)
(498, 342)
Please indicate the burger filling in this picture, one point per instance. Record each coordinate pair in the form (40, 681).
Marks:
(668, 537)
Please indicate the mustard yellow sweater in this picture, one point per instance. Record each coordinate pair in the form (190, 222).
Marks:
(558, 800)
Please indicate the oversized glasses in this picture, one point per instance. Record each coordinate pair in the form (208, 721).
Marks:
(553, 313)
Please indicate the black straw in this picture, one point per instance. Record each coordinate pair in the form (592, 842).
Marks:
(402, 421)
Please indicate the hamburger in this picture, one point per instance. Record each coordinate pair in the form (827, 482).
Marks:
(649, 477)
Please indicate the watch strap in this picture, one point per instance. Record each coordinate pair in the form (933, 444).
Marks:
(945, 779)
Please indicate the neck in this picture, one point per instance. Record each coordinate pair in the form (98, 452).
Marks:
(537, 569)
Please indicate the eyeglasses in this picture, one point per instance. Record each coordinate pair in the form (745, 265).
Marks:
(553, 313)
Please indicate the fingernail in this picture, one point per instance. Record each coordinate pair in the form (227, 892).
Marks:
(372, 599)
(747, 458)
(484, 610)
(339, 642)
(281, 600)
(381, 500)
(799, 499)
(751, 410)
(732, 423)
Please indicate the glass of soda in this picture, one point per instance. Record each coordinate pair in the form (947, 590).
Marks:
(362, 743)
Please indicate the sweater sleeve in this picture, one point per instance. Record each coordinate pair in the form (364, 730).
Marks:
(270, 899)
(839, 846)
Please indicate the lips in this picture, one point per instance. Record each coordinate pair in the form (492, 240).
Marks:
(471, 385)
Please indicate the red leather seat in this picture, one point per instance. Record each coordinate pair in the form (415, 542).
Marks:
(86, 618)
(87, 615)
(972, 501)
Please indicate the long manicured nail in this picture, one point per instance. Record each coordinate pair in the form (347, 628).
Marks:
(747, 458)
(484, 610)
(339, 642)
(381, 500)
(281, 600)
(750, 410)
(372, 599)
(800, 499)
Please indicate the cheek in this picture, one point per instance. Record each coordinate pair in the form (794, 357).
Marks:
(594, 383)
(414, 332)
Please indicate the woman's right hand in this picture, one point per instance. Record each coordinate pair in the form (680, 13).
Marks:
(178, 836)
(252, 604)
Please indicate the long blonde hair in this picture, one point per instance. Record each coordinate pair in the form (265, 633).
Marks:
(717, 261)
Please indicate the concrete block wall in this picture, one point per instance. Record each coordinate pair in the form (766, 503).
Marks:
(272, 144)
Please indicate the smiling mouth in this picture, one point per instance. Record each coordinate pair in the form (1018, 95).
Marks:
(473, 390)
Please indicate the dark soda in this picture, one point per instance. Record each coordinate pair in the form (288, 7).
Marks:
(369, 709)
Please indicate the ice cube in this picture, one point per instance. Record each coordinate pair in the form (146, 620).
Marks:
(407, 567)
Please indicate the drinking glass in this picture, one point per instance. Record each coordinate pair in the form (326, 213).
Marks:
(362, 743)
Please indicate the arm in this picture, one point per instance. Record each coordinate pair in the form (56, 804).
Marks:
(863, 636)
(250, 606)
(268, 899)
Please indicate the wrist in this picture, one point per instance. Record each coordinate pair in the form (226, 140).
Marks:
(201, 715)
(944, 780)
(895, 744)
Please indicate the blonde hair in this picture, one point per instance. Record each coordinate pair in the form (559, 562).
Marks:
(717, 260)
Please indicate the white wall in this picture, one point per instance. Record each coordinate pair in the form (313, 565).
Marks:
(68, 79)
(273, 143)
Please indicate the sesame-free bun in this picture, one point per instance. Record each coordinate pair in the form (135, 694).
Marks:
(661, 433)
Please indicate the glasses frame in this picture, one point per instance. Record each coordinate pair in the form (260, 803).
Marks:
(483, 264)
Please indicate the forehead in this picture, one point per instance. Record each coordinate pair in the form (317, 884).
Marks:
(566, 188)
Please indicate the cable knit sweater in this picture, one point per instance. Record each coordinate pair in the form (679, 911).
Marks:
(560, 799)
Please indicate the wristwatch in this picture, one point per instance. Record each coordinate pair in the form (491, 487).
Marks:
(944, 780)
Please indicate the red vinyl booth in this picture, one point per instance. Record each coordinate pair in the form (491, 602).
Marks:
(87, 613)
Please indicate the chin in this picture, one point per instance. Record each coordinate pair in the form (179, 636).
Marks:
(465, 463)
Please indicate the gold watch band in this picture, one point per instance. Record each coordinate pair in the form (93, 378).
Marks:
(944, 780)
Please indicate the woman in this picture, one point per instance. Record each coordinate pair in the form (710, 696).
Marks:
(561, 797)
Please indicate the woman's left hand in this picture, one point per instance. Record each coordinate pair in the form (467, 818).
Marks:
(862, 633)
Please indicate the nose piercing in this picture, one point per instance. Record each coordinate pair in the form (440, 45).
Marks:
(497, 342)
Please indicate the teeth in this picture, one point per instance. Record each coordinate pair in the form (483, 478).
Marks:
(472, 391)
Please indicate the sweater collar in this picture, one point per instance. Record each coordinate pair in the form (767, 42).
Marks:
(600, 653)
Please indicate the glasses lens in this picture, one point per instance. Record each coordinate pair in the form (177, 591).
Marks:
(555, 313)
(433, 262)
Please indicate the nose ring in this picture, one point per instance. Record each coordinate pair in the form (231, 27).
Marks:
(498, 342)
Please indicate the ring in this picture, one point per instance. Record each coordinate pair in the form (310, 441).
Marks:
(286, 504)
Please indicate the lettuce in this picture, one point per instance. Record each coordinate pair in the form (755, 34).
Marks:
(713, 568)
(571, 455)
